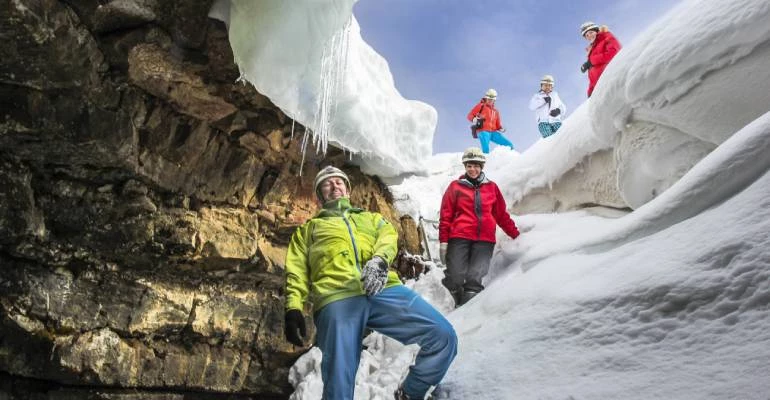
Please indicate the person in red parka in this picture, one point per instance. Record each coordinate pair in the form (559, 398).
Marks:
(487, 120)
(602, 48)
(471, 210)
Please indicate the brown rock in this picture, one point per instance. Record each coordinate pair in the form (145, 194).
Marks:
(132, 255)
(154, 70)
(121, 14)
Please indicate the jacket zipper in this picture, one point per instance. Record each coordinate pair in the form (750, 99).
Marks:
(477, 209)
(352, 239)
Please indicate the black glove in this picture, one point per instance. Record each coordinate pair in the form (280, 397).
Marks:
(555, 112)
(295, 321)
(547, 100)
(586, 66)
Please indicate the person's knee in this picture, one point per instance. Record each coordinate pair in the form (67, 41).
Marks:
(443, 337)
(447, 337)
(447, 331)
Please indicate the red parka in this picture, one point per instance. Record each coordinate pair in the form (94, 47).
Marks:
(473, 212)
(490, 115)
(601, 51)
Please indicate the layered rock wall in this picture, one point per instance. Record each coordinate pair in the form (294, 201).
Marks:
(146, 200)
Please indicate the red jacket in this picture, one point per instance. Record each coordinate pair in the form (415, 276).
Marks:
(459, 218)
(604, 47)
(490, 115)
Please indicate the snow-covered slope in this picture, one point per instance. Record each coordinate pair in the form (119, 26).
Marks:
(309, 58)
(680, 312)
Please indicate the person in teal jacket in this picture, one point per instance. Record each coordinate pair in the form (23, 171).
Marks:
(338, 260)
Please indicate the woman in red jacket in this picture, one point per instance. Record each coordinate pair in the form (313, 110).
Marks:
(602, 48)
(471, 209)
(486, 117)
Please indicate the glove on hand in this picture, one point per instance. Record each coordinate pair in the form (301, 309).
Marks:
(294, 322)
(442, 252)
(586, 66)
(547, 100)
(555, 112)
(374, 276)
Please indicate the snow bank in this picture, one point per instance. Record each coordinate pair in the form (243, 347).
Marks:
(570, 161)
(686, 84)
(679, 314)
(735, 164)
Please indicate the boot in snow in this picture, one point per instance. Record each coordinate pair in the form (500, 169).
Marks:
(467, 296)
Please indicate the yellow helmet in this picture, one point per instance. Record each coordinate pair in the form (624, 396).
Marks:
(547, 79)
(491, 94)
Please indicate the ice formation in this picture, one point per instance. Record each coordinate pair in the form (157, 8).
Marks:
(310, 60)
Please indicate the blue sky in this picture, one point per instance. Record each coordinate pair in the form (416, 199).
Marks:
(449, 52)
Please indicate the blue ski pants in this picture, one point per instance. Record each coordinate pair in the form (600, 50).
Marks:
(486, 136)
(397, 312)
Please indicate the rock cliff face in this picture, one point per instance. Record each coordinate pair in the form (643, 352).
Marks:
(146, 200)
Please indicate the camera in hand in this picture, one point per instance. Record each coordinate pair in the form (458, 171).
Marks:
(476, 126)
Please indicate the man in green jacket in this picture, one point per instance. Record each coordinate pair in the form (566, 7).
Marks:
(339, 261)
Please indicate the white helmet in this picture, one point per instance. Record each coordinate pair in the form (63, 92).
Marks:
(474, 154)
(325, 173)
(491, 94)
(547, 79)
(587, 26)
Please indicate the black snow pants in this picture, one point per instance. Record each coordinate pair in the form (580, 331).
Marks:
(467, 264)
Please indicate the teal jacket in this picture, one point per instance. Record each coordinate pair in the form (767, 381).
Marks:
(326, 254)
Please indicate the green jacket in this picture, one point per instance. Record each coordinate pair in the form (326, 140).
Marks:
(327, 253)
